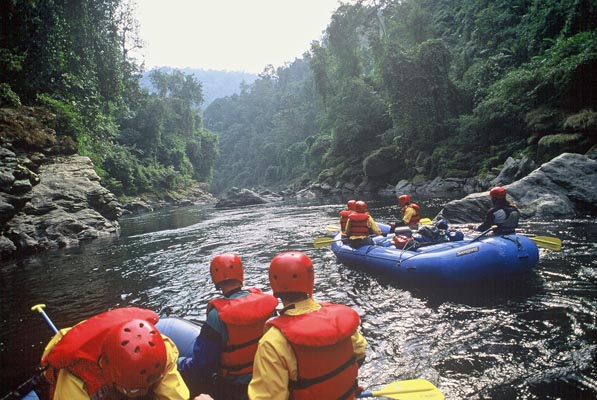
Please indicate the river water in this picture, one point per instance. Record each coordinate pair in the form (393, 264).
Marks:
(533, 337)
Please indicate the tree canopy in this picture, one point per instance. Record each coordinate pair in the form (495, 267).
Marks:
(75, 58)
(415, 89)
(396, 89)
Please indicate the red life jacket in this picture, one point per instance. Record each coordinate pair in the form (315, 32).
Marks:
(358, 224)
(344, 218)
(322, 343)
(244, 318)
(415, 218)
(79, 351)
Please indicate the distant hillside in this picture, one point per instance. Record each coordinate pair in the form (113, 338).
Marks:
(216, 84)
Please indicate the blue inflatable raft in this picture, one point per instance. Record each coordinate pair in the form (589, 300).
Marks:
(182, 332)
(469, 260)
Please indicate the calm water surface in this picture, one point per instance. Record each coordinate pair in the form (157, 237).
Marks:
(533, 337)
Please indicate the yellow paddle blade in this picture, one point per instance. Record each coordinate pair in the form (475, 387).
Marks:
(323, 242)
(548, 242)
(413, 389)
(332, 228)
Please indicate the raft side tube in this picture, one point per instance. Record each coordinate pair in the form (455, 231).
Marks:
(182, 332)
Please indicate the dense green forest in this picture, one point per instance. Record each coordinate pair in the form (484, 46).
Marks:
(409, 89)
(416, 89)
(75, 59)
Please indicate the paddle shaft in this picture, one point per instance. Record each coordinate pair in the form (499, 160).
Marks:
(40, 308)
(324, 241)
(33, 382)
(483, 233)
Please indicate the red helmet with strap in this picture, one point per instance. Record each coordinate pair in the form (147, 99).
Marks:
(498, 192)
(134, 356)
(404, 199)
(361, 206)
(291, 272)
(351, 205)
(226, 267)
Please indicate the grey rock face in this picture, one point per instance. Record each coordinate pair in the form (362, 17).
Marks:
(565, 187)
(58, 205)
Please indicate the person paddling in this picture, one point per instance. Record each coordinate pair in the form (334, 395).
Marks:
(350, 208)
(410, 214)
(360, 225)
(503, 213)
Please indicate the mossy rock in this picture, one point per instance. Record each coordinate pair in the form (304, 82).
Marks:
(584, 122)
(551, 146)
(419, 179)
(456, 173)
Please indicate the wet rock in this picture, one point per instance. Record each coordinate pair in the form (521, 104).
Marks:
(514, 170)
(66, 206)
(235, 197)
(138, 206)
(565, 187)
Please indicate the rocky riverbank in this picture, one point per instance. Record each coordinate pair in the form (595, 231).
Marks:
(565, 187)
(51, 197)
(55, 203)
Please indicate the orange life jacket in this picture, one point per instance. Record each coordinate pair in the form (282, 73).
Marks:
(344, 219)
(322, 343)
(415, 218)
(358, 224)
(244, 318)
(79, 351)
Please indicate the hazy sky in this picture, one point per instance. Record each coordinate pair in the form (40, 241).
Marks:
(235, 35)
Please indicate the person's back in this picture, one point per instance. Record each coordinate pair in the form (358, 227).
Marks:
(115, 355)
(350, 208)
(228, 340)
(312, 350)
(360, 225)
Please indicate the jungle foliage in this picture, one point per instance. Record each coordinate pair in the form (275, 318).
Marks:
(75, 58)
(415, 89)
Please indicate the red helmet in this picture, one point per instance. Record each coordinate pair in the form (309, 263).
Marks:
(291, 272)
(226, 267)
(361, 206)
(134, 356)
(351, 204)
(404, 199)
(498, 192)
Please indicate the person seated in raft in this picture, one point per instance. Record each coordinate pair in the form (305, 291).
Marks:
(313, 350)
(410, 214)
(118, 354)
(350, 208)
(222, 362)
(360, 225)
(504, 214)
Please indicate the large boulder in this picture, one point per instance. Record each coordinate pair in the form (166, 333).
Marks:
(235, 197)
(514, 170)
(565, 187)
(66, 205)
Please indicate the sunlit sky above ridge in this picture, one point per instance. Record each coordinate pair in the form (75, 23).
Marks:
(233, 35)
